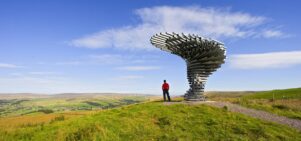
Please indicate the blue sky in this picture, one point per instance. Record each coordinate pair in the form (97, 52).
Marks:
(103, 46)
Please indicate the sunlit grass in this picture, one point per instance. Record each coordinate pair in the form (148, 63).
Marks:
(155, 121)
(282, 102)
(13, 123)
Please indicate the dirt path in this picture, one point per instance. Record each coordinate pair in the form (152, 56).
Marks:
(250, 112)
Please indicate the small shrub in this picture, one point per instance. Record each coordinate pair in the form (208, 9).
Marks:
(225, 108)
(93, 103)
(239, 130)
(58, 118)
(32, 125)
(129, 101)
(296, 117)
(210, 122)
(279, 106)
(258, 132)
(163, 121)
(85, 133)
(46, 111)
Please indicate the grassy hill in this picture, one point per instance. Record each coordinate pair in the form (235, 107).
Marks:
(153, 121)
(294, 93)
(285, 102)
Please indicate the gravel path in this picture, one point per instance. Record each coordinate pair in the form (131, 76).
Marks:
(250, 112)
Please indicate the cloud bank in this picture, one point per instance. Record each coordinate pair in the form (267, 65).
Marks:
(209, 22)
(266, 60)
(5, 65)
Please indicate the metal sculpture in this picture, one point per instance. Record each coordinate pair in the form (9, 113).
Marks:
(203, 56)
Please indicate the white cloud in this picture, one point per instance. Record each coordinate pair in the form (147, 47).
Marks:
(129, 77)
(273, 34)
(5, 65)
(266, 60)
(211, 22)
(139, 68)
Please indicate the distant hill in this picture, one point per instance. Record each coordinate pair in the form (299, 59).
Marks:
(24, 104)
(21, 96)
(62, 95)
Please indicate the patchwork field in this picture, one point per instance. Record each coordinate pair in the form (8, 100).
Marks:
(28, 104)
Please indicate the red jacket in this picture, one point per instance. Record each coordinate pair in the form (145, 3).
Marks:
(165, 86)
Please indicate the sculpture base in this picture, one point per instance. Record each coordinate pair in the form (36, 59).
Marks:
(196, 99)
(190, 97)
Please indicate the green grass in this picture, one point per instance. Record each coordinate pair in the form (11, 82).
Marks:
(282, 102)
(285, 102)
(294, 93)
(155, 121)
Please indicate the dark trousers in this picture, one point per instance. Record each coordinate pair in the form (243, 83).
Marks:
(166, 94)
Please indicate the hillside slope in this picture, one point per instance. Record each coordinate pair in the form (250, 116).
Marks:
(155, 121)
(286, 102)
(293, 93)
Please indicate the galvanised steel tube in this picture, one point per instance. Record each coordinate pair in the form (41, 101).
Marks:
(202, 56)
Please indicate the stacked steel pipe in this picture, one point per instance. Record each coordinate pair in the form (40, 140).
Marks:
(203, 56)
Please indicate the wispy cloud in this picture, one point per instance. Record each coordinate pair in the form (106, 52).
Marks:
(43, 73)
(110, 59)
(122, 58)
(211, 22)
(35, 74)
(274, 34)
(5, 65)
(129, 77)
(266, 60)
(138, 68)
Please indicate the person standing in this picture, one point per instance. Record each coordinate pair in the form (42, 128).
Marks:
(165, 89)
